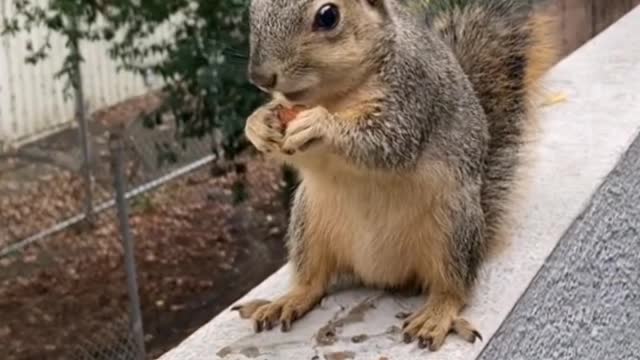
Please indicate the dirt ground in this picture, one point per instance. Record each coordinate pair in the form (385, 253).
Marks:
(196, 250)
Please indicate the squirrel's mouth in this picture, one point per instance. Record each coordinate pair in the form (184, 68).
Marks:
(296, 95)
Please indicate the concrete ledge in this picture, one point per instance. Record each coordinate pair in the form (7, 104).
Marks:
(582, 140)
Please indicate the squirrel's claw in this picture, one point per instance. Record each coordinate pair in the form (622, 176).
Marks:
(465, 330)
(424, 342)
(247, 310)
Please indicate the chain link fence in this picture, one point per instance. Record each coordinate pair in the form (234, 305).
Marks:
(112, 343)
(183, 236)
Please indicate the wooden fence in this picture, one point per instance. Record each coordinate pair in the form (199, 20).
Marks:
(583, 19)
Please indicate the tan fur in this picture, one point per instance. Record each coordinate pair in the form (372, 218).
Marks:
(362, 100)
(544, 51)
(346, 213)
(541, 56)
(346, 234)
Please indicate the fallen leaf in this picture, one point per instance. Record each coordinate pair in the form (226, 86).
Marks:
(554, 99)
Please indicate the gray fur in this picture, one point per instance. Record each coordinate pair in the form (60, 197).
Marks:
(436, 107)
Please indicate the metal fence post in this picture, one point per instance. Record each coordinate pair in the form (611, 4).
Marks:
(116, 147)
(81, 118)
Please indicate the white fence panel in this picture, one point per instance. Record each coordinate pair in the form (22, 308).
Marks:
(32, 103)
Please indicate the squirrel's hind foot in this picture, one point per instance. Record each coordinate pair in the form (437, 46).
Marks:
(431, 324)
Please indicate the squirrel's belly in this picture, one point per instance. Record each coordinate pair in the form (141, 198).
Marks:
(381, 262)
(378, 236)
(386, 232)
(384, 248)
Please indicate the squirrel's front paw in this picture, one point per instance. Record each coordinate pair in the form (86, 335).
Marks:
(283, 311)
(307, 128)
(264, 130)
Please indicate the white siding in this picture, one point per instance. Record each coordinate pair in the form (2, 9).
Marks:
(32, 103)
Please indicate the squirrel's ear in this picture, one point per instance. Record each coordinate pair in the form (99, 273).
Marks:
(379, 6)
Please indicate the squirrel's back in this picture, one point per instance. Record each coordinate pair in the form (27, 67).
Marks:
(504, 47)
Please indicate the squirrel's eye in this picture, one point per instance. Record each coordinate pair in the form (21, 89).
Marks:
(326, 18)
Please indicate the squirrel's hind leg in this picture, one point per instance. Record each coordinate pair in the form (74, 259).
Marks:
(449, 268)
(314, 267)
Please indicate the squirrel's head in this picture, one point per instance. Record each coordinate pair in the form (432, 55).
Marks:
(311, 50)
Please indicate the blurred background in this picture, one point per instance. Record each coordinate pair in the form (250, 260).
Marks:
(132, 210)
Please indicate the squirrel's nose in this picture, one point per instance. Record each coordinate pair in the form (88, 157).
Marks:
(263, 78)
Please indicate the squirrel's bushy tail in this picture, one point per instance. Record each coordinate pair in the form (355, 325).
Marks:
(504, 47)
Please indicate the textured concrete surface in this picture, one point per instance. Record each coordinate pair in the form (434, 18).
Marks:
(585, 302)
(583, 139)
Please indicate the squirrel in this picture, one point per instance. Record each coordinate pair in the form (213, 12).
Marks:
(409, 149)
